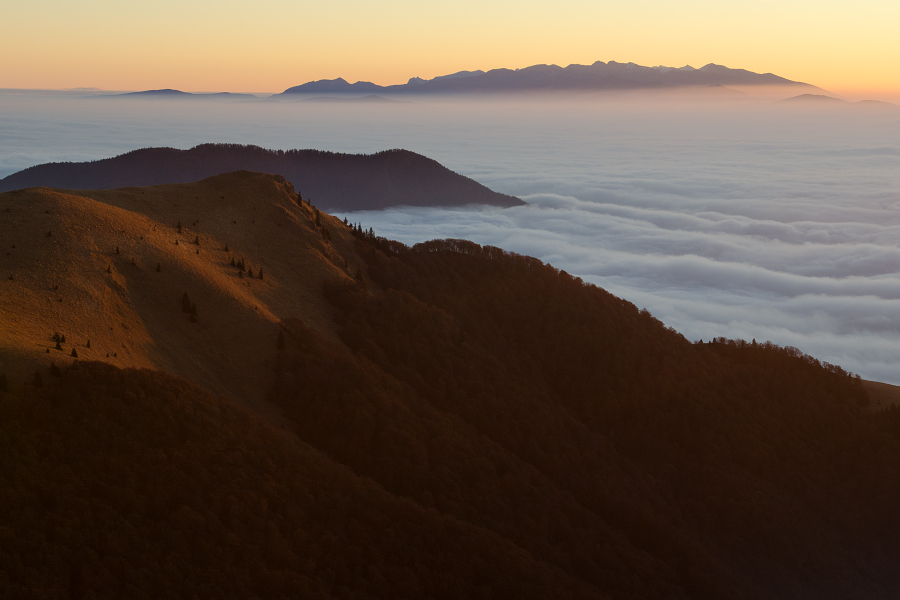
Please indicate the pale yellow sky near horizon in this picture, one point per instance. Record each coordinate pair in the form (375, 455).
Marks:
(851, 49)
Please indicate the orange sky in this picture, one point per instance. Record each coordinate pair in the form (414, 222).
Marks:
(270, 45)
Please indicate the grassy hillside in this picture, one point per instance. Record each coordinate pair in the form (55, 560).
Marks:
(111, 268)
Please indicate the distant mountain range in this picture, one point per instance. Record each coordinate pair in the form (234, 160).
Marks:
(333, 181)
(552, 78)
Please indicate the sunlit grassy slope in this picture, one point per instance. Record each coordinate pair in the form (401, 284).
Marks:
(110, 268)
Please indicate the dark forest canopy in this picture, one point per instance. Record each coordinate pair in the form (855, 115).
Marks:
(484, 426)
(332, 181)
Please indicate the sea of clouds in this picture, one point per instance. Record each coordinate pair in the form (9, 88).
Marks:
(746, 220)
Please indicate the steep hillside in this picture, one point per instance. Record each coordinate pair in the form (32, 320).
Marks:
(111, 268)
(332, 181)
(445, 420)
(509, 394)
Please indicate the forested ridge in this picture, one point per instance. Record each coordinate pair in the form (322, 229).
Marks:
(486, 426)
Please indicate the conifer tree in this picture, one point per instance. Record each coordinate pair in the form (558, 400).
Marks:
(117, 250)
(232, 262)
(108, 269)
(63, 339)
(88, 345)
(58, 346)
(250, 272)
(260, 273)
(197, 239)
(179, 226)
(74, 353)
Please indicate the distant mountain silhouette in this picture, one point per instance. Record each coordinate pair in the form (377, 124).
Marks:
(339, 86)
(821, 101)
(333, 181)
(549, 78)
(813, 98)
(170, 93)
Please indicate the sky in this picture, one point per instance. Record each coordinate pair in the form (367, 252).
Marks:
(851, 49)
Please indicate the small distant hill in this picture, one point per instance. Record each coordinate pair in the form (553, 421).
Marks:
(611, 75)
(823, 101)
(178, 94)
(820, 99)
(334, 181)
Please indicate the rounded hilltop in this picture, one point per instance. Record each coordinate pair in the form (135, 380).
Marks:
(112, 267)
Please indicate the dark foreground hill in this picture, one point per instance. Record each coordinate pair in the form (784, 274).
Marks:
(472, 424)
(333, 181)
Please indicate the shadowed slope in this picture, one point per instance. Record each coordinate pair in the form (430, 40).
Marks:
(137, 484)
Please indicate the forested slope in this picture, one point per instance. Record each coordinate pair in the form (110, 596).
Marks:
(137, 484)
(481, 425)
(512, 395)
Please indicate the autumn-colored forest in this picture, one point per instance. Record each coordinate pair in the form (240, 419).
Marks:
(486, 427)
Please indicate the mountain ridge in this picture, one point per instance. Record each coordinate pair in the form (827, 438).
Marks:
(335, 181)
(553, 78)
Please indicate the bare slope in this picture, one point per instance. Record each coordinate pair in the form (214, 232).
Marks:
(60, 251)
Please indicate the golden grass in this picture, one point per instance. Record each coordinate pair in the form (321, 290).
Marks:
(133, 313)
